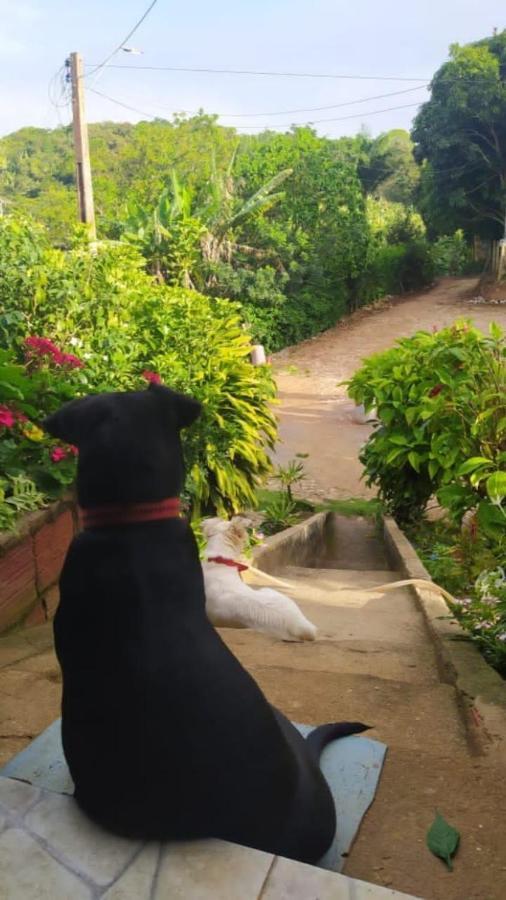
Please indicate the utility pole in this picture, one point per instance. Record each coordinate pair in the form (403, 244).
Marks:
(81, 146)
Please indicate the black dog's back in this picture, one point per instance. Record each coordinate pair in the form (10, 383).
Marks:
(160, 721)
(165, 734)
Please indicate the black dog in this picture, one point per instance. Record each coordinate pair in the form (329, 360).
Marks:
(165, 734)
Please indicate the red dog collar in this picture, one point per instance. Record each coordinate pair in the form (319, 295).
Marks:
(129, 513)
(223, 561)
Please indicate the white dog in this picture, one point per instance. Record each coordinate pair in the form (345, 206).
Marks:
(230, 603)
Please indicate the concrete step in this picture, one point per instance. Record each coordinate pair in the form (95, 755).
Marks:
(420, 718)
(358, 632)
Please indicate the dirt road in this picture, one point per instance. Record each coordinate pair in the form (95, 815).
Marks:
(316, 417)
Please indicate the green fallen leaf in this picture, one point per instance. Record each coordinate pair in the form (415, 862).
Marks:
(443, 840)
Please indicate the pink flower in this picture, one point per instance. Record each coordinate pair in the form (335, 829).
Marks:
(58, 454)
(74, 451)
(41, 347)
(68, 359)
(6, 417)
(152, 377)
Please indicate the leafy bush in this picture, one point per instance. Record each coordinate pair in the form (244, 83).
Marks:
(398, 257)
(122, 322)
(451, 254)
(393, 223)
(442, 424)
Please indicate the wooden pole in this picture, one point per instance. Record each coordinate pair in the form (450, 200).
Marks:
(81, 146)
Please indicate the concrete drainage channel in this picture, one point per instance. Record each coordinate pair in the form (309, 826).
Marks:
(481, 690)
(325, 542)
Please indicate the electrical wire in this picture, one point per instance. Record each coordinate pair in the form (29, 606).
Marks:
(374, 112)
(265, 127)
(130, 34)
(250, 72)
(120, 103)
(59, 93)
(58, 89)
(287, 112)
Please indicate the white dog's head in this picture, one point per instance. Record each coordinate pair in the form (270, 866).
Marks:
(233, 532)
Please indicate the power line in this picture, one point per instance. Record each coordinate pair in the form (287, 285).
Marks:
(284, 112)
(125, 39)
(120, 103)
(451, 79)
(287, 112)
(250, 72)
(374, 112)
(265, 127)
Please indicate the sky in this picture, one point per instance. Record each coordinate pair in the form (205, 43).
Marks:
(389, 38)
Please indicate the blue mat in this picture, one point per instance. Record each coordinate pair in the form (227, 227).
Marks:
(352, 767)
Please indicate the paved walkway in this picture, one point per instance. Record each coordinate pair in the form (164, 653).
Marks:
(50, 851)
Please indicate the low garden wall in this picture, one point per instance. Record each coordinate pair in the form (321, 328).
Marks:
(30, 564)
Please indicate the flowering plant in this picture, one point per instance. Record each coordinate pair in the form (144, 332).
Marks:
(33, 468)
(484, 615)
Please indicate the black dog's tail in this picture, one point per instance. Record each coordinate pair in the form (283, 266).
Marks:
(324, 734)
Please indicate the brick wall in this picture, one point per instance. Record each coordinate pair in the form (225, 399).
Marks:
(30, 564)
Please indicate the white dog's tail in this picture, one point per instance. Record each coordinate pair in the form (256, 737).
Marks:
(268, 577)
(417, 582)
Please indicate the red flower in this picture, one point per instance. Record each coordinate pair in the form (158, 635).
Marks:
(68, 359)
(152, 377)
(58, 454)
(38, 346)
(41, 347)
(73, 450)
(6, 417)
(436, 390)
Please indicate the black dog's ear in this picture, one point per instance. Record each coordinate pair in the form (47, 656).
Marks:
(70, 422)
(184, 408)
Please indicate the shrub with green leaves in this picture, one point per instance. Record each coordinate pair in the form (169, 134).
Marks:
(398, 256)
(451, 254)
(441, 407)
(101, 305)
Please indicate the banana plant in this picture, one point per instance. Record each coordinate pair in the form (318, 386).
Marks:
(183, 234)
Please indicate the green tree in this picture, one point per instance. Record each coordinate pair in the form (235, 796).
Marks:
(461, 137)
(388, 168)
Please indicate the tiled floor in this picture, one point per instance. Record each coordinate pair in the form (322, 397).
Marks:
(50, 851)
